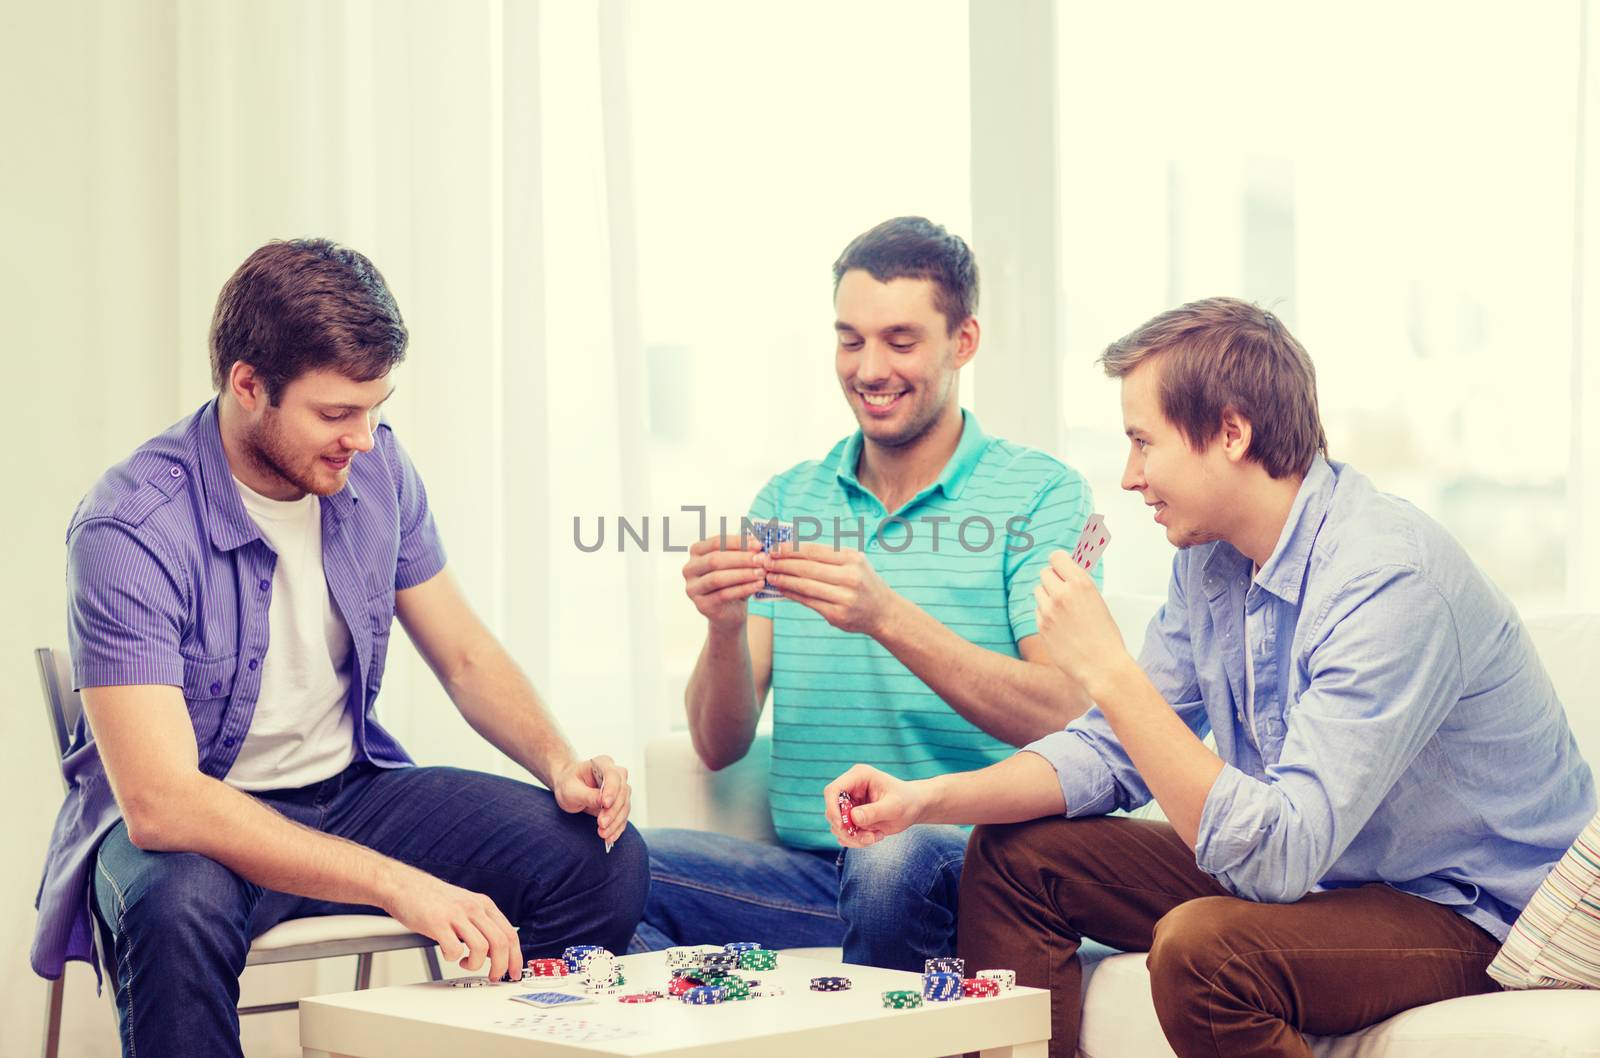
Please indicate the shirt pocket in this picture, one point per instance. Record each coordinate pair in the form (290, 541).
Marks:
(207, 687)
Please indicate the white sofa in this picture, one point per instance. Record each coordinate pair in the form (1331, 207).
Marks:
(1119, 1019)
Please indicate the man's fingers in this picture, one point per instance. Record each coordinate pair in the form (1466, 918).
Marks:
(716, 580)
(815, 590)
(618, 816)
(733, 542)
(816, 552)
(809, 569)
(477, 944)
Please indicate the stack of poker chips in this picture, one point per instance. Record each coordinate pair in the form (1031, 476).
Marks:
(948, 964)
(572, 954)
(901, 1000)
(980, 987)
(758, 959)
(545, 968)
(941, 987)
(846, 806)
(830, 984)
(1006, 979)
(705, 995)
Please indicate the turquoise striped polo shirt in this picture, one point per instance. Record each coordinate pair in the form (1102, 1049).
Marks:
(967, 549)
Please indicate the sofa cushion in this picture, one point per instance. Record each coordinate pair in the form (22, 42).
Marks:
(1119, 1021)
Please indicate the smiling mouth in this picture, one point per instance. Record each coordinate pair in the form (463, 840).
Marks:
(880, 401)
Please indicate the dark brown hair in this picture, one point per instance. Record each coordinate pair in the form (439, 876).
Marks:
(917, 248)
(304, 305)
(1223, 353)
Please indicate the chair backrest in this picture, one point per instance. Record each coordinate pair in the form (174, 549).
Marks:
(61, 703)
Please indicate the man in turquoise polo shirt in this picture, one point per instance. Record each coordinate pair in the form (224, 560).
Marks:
(905, 634)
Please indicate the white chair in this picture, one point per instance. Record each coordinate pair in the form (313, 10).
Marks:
(295, 940)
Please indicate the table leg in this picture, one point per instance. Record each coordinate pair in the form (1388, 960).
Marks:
(1035, 1049)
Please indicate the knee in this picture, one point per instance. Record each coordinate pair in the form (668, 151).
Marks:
(1191, 945)
(170, 898)
(909, 869)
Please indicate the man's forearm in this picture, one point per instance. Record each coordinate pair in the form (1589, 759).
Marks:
(721, 698)
(1021, 787)
(1012, 699)
(497, 699)
(208, 817)
(1177, 767)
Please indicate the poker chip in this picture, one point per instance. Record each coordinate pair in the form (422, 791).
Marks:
(639, 997)
(546, 968)
(830, 984)
(741, 945)
(720, 960)
(901, 999)
(766, 991)
(846, 820)
(679, 985)
(678, 958)
(980, 987)
(1007, 979)
(469, 982)
(758, 959)
(945, 965)
(599, 966)
(705, 995)
(941, 987)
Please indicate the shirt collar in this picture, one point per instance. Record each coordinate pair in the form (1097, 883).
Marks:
(1285, 571)
(951, 480)
(230, 524)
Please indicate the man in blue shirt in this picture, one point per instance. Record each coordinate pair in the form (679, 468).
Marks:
(1393, 774)
(905, 634)
(232, 587)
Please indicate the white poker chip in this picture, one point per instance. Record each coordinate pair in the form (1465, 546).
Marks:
(1006, 978)
(600, 966)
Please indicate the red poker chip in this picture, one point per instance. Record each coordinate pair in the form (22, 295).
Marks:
(680, 985)
(980, 987)
(547, 967)
(640, 997)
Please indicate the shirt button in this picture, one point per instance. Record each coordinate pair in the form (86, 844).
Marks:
(265, 585)
(176, 472)
(216, 688)
(228, 742)
(253, 664)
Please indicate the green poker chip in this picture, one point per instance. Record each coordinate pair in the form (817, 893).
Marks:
(902, 1000)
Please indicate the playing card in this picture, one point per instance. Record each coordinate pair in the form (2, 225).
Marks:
(552, 999)
(771, 534)
(1091, 542)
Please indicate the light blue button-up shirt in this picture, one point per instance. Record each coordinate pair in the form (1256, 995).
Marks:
(1403, 729)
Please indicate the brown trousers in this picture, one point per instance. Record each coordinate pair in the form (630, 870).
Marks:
(1231, 978)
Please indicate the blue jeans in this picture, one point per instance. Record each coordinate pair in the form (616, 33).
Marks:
(180, 924)
(890, 905)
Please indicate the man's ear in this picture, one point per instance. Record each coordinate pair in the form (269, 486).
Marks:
(967, 336)
(246, 387)
(1235, 435)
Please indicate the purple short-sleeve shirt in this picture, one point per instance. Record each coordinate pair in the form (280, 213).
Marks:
(169, 581)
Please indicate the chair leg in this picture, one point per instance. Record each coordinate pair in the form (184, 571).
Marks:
(52, 1015)
(363, 971)
(430, 955)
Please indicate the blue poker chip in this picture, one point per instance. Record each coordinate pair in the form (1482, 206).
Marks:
(741, 945)
(705, 995)
(941, 987)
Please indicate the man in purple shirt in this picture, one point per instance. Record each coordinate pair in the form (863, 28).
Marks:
(232, 588)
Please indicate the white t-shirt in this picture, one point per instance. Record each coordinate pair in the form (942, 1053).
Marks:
(301, 732)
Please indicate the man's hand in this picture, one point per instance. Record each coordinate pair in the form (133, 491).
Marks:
(1078, 631)
(721, 575)
(598, 786)
(838, 583)
(467, 926)
(884, 805)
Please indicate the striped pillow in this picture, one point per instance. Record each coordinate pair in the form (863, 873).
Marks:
(1556, 940)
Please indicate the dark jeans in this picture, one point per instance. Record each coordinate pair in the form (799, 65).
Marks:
(181, 924)
(892, 904)
(1231, 978)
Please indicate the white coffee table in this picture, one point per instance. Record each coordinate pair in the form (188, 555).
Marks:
(432, 1018)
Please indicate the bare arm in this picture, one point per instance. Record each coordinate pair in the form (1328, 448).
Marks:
(1019, 788)
(1017, 700)
(147, 743)
(498, 701)
(731, 677)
